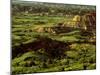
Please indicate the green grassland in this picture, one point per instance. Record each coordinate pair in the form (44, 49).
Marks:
(40, 44)
(32, 62)
(23, 25)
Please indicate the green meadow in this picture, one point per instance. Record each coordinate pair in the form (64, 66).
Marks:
(47, 43)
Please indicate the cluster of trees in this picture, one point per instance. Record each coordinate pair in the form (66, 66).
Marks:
(49, 8)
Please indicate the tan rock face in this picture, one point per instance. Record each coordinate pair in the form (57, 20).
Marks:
(38, 29)
(89, 21)
(41, 29)
(86, 22)
(77, 18)
(44, 29)
(75, 21)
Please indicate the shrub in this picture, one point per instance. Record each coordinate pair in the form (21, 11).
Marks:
(92, 66)
(76, 66)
